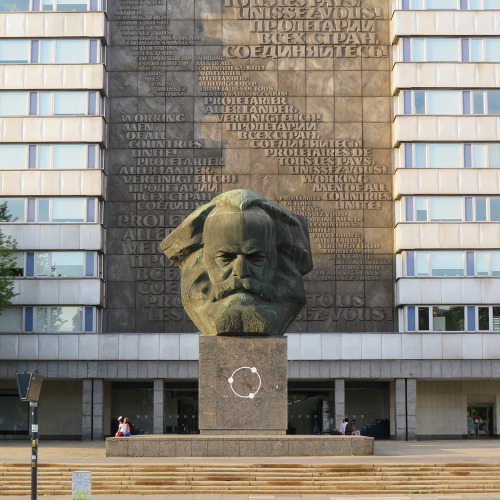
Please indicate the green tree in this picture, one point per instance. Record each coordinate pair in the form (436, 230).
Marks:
(7, 262)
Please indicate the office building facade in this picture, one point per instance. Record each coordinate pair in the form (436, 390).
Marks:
(379, 121)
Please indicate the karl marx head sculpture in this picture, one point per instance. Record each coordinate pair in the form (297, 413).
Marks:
(242, 260)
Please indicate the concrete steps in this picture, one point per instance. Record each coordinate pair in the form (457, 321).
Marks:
(55, 479)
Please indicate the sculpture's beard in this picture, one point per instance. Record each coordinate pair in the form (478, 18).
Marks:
(239, 306)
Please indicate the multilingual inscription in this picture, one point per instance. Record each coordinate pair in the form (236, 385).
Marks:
(290, 98)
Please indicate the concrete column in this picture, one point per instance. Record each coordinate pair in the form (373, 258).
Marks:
(87, 409)
(97, 413)
(339, 402)
(400, 407)
(158, 406)
(326, 415)
(411, 408)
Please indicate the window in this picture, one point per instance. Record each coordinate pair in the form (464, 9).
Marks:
(68, 210)
(441, 4)
(444, 102)
(443, 49)
(421, 209)
(13, 156)
(495, 263)
(55, 210)
(14, 5)
(439, 263)
(71, 6)
(450, 4)
(70, 156)
(448, 155)
(14, 51)
(43, 156)
(422, 264)
(68, 264)
(18, 269)
(13, 103)
(442, 263)
(69, 103)
(493, 102)
(49, 103)
(450, 102)
(451, 208)
(488, 318)
(64, 5)
(423, 318)
(452, 318)
(12, 210)
(444, 155)
(449, 49)
(482, 265)
(447, 264)
(43, 264)
(495, 324)
(432, 102)
(65, 319)
(448, 318)
(483, 318)
(71, 51)
(60, 51)
(59, 319)
(446, 208)
(11, 320)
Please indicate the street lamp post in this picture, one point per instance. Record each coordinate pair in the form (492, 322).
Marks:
(29, 386)
(34, 448)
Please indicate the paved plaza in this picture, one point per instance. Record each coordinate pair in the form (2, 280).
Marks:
(386, 452)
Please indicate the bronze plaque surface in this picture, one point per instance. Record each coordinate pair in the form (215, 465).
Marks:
(289, 98)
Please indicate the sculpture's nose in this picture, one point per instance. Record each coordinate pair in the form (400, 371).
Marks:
(240, 267)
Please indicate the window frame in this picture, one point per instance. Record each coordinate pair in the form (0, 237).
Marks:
(34, 214)
(466, 45)
(413, 201)
(406, 312)
(31, 155)
(407, 103)
(410, 260)
(95, 270)
(91, 320)
(461, 5)
(406, 154)
(37, 6)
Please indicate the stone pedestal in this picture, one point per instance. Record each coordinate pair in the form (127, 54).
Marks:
(194, 445)
(243, 387)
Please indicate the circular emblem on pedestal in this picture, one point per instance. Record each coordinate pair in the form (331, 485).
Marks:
(250, 377)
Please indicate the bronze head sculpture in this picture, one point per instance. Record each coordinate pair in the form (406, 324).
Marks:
(242, 260)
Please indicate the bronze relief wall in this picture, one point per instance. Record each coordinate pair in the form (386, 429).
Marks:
(289, 98)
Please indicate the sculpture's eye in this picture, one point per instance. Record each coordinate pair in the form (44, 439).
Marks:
(257, 258)
(224, 258)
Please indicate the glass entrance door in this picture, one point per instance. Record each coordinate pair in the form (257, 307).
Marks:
(480, 420)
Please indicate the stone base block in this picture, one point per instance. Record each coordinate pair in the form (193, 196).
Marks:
(243, 386)
(196, 445)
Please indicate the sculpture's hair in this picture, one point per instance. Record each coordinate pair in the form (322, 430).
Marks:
(292, 236)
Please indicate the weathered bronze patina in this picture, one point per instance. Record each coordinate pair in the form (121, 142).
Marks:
(242, 260)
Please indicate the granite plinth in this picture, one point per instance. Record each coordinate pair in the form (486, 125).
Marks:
(196, 445)
(243, 386)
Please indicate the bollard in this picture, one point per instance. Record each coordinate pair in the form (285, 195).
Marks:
(82, 485)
